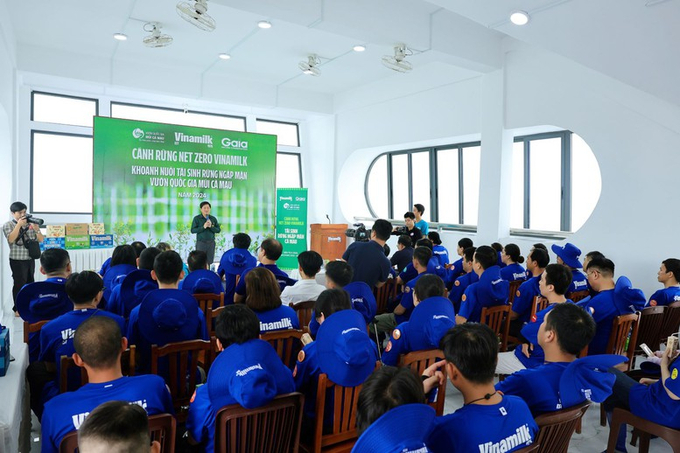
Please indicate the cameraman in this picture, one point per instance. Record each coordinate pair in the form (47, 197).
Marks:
(17, 231)
(368, 259)
(411, 230)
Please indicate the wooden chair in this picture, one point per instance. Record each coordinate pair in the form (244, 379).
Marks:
(183, 363)
(540, 303)
(498, 318)
(556, 428)
(645, 429)
(32, 328)
(271, 428)
(514, 286)
(418, 361)
(210, 317)
(576, 296)
(207, 301)
(533, 447)
(287, 344)
(651, 321)
(127, 365)
(384, 294)
(671, 321)
(162, 427)
(304, 312)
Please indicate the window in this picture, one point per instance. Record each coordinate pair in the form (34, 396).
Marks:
(177, 116)
(288, 170)
(444, 179)
(59, 109)
(543, 195)
(287, 134)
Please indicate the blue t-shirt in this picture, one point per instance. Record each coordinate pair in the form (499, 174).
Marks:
(651, 402)
(306, 376)
(530, 332)
(507, 426)
(604, 310)
(524, 297)
(459, 287)
(441, 253)
(489, 291)
(363, 301)
(122, 300)
(513, 272)
(455, 271)
(368, 261)
(281, 277)
(665, 296)
(402, 258)
(280, 318)
(407, 299)
(423, 226)
(66, 412)
(539, 387)
(579, 281)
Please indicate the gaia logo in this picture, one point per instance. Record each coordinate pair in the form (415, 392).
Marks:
(138, 133)
(286, 206)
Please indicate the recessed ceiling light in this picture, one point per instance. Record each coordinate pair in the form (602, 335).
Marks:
(519, 18)
(224, 56)
(120, 37)
(264, 24)
(359, 48)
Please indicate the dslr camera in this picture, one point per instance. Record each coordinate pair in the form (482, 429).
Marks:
(30, 219)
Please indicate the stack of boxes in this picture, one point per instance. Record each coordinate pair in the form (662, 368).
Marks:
(4, 350)
(75, 236)
(98, 238)
(55, 238)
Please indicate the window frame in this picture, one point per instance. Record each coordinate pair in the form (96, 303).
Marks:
(299, 159)
(297, 129)
(59, 95)
(173, 109)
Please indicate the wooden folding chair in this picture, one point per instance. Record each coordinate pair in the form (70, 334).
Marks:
(33, 328)
(651, 322)
(644, 428)
(209, 301)
(268, 429)
(498, 318)
(576, 296)
(210, 318)
(384, 294)
(304, 312)
(66, 363)
(418, 361)
(514, 286)
(556, 428)
(671, 321)
(287, 344)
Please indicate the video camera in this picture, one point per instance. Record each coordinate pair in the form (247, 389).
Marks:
(30, 219)
(398, 231)
(359, 233)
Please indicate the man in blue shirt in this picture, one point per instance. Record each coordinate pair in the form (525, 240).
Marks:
(233, 262)
(489, 291)
(99, 344)
(438, 249)
(268, 254)
(404, 254)
(421, 224)
(134, 286)
(669, 274)
(521, 306)
(368, 259)
(455, 269)
(461, 283)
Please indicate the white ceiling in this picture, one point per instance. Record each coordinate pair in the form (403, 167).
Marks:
(627, 40)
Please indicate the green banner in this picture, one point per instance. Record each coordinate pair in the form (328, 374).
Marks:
(291, 225)
(150, 178)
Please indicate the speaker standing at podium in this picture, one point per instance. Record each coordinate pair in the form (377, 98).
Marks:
(204, 226)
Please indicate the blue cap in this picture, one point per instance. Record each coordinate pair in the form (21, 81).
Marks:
(134, 287)
(588, 378)
(168, 316)
(569, 254)
(431, 319)
(42, 301)
(235, 261)
(250, 373)
(491, 287)
(626, 298)
(345, 351)
(114, 276)
(203, 281)
(400, 430)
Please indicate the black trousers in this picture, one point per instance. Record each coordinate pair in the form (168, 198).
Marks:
(208, 247)
(22, 273)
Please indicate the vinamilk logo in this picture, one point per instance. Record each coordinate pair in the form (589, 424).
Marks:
(138, 133)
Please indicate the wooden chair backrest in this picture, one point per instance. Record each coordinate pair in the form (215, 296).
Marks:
(531, 448)
(384, 294)
(671, 321)
(623, 327)
(304, 312)
(498, 318)
(210, 318)
(556, 428)
(514, 286)
(418, 361)
(651, 323)
(576, 296)
(32, 328)
(127, 365)
(287, 344)
(271, 428)
(645, 428)
(206, 302)
(539, 303)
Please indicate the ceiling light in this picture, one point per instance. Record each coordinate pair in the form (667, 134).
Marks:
(120, 37)
(519, 18)
(359, 48)
(265, 24)
(224, 56)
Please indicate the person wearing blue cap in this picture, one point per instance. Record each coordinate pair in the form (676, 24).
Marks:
(265, 300)
(99, 344)
(489, 291)
(134, 286)
(309, 264)
(432, 317)
(438, 250)
(56, 337)
(233, 262)
(537, 260)
(269, 252)
(391, 416)
(368, 259)
(342, 350)
(513, 260)
(568, 256)
(669, 276)
(201, 280)
(461, 283)
(404, 254)
(247, 371)
(205, 226)
(488, 420)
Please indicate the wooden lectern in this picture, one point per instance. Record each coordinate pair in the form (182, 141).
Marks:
(329, 240)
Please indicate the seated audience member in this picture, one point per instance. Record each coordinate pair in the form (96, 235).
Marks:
(404, 254)
(368, 259)
(568, 256)
(465, 280)
(268, 253)
(342, 350)
(167, 314)
(391, 416)
(538, 245)
(99, 344)
(489, 291)
(512, 259)
(410, 230)
(165, 247)
(309, 264)
(438, 249)
(489, 420)
(123, 261)
(265, 300)
(134, 286)
(669, 273)
(552, 285)
(41, 301)
(455, 269)
(137, 245)
(524, 297)
(117, 427)
(498, 247)
(433, 266)
(201, 280)
(432, 317)
(421, 224)
(247, 372)
(56, 337)
(232, 264)
(612, 300)
(402, 312)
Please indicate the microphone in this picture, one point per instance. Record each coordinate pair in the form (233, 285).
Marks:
(329, 219)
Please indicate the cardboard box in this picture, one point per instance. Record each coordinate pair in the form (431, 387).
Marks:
(101, 241)
(96, 229)
(78, 242)
(4, 351)
(53, 243)
(56, 231)
(77, 229)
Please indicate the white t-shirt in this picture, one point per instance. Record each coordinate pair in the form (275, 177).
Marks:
(301, 291)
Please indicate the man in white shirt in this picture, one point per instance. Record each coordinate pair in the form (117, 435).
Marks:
(309, 264)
